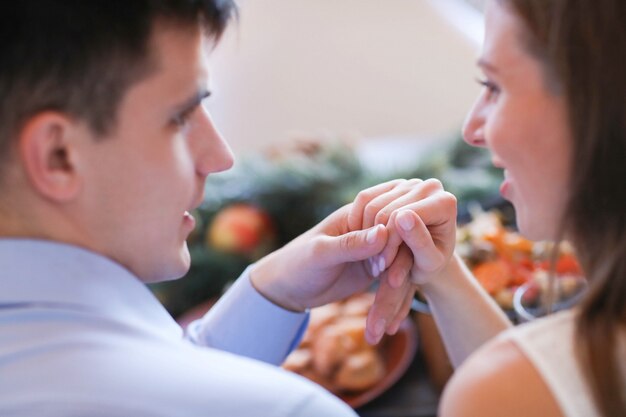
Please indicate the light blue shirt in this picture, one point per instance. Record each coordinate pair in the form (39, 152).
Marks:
(81, 336)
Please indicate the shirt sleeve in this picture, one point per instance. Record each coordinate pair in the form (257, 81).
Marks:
(322, 405)
(246, 323)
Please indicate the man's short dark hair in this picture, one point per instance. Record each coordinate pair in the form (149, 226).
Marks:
(80, 56)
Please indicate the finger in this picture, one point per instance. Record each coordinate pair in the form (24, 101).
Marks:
(378, 209)
(390, 253)
(401, 264)
(387, 302)
(435, 210)
(409, 192)
(355, 215)
(403, 312)
(426, 256)
(351, 246)
(415, 191)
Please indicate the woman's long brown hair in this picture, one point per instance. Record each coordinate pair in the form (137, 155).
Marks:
(582, 45)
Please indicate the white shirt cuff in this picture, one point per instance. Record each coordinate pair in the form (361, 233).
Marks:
(246, 323)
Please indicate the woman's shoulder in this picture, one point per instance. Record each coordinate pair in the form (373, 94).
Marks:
(498, 380)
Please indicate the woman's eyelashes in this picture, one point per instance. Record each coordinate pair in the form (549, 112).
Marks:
(181, 120)
(492, 90)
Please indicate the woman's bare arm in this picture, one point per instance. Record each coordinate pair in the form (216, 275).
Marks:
(465, 314)
(498, 381)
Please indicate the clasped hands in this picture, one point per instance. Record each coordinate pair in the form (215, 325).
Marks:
(401, 232)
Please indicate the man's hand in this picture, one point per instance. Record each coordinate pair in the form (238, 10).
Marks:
(351, 247)
(325, 264)
(421, 222)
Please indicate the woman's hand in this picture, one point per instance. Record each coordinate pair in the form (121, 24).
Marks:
(421, 220)
(345, 252)
(325, 264)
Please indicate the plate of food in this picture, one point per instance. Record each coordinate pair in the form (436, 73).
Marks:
(333, 352)
(503, 261)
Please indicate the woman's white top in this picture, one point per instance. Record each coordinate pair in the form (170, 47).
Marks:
(549, 344)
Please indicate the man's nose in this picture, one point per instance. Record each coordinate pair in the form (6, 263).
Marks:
(212, 152)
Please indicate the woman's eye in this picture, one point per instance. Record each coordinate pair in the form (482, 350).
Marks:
(182, 119)
(491, 88)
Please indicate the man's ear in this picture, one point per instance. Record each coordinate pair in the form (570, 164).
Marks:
(48, 150)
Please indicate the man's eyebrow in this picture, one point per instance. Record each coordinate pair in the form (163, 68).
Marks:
(192, 101)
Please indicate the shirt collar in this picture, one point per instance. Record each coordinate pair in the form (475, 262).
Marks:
(38, 271)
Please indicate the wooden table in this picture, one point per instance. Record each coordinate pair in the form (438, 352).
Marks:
(412, 396)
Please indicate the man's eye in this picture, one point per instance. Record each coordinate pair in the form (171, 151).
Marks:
(492, 89)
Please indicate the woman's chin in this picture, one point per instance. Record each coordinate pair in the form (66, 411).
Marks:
(532, 228)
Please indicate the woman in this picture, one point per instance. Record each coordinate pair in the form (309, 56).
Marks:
(553, 115)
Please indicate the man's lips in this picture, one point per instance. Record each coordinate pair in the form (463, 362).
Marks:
(189, 220)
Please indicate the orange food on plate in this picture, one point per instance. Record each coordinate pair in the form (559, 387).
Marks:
(493, 275)
(333, 351)
(360, 371)
(502, 260)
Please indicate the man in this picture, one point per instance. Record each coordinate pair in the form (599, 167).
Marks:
(105, 149)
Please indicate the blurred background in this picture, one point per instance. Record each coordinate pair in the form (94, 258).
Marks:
(360, 69)
(320, 99)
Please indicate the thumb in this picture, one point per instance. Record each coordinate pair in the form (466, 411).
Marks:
(416, 235)
(358, 245)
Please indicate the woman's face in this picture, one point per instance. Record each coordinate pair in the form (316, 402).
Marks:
(523, 121)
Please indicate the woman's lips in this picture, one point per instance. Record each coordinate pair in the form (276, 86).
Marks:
(505, 186)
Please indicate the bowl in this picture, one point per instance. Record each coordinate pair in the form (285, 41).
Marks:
(532, 300)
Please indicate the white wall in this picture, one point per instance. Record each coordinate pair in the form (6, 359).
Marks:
(368, 67)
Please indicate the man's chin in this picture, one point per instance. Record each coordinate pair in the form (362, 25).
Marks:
(181, 266)
(168, 271)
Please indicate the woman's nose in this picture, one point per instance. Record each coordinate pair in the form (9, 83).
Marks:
(211, 150)
(473, 128)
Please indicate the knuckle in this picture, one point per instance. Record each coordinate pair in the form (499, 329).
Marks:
(382, 217)
(397, 182)
(451, 197)
(347, 241)
(412, 184)
(433, 184)
(316, 249)
(371, 210)
(395, 213)
(362, 197)
(449, 202)
(354, 219)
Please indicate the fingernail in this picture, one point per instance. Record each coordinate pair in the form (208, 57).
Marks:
(379, 328)
(406, 221)
(381, 263)
(375, 271)
(370, 262)
(371, 235)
